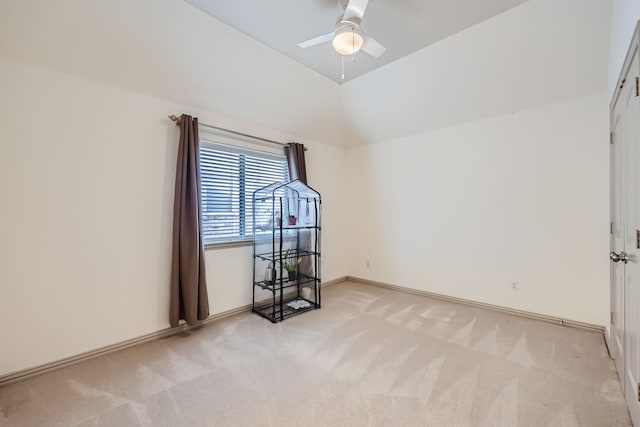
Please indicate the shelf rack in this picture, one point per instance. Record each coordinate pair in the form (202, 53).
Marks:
(276, 241)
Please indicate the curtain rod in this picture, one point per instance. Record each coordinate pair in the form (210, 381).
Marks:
(177, 119)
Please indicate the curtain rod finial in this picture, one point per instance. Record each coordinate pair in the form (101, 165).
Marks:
(175, 118)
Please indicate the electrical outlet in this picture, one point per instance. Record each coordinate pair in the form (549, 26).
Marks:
(514, 285)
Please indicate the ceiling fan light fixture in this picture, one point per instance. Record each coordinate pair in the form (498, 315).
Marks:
(347, 40)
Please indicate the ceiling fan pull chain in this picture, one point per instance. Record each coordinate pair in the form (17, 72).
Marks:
(342, 59)
(353, 41)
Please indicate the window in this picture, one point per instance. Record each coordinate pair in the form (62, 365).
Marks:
(230, 175)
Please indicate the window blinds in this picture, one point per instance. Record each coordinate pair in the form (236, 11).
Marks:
(229, 176)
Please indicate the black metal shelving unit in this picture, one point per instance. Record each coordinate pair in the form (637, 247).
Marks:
(277, 239)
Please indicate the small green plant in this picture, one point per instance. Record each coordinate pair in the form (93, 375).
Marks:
(290, 263)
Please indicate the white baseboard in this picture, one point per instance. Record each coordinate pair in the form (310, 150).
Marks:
(334, 281)
(69, 361)
(522, 313)
(164, 333)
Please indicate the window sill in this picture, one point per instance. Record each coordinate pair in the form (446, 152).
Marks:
(226, 245)
(240, 243)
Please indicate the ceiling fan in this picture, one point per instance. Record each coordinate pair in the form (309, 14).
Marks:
(348, 38)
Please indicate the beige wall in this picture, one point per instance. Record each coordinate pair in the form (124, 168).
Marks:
(466, 210)
(501, 173)
(87, 163)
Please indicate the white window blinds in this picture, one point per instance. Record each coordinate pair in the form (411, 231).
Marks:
(229, 176)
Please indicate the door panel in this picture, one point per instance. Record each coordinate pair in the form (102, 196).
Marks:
(617, 245)
(625, 236)
(631, 197)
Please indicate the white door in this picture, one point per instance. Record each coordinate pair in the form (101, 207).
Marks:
(625, 239)
(631, 194)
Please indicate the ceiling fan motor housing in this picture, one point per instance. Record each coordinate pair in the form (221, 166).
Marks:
(354, 21)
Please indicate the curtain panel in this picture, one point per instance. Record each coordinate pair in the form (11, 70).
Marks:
(298, 170)
(188, 299)
(296, 161)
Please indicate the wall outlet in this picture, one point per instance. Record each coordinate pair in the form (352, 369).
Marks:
(514, 285)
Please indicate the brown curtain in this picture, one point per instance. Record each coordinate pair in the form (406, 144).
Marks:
(298, 170)
(189, 300)
(295, 160)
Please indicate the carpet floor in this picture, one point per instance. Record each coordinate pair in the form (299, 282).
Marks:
(369, 357)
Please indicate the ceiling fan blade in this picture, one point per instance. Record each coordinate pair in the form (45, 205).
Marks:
(355, 9)
(372, 47)
(316, 40)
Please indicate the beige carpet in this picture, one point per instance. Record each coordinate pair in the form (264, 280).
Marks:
(370, 357)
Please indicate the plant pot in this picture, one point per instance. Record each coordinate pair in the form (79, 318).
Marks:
(292, 220)
(292, 275)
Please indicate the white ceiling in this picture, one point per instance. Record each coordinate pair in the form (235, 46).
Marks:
(402, 26)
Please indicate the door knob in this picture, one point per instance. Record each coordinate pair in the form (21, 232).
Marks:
(618, 257)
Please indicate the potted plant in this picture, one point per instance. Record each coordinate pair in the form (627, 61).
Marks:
(291, 265)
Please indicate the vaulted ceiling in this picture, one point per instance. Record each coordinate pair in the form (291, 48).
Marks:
(402, 26)
(536, 53)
